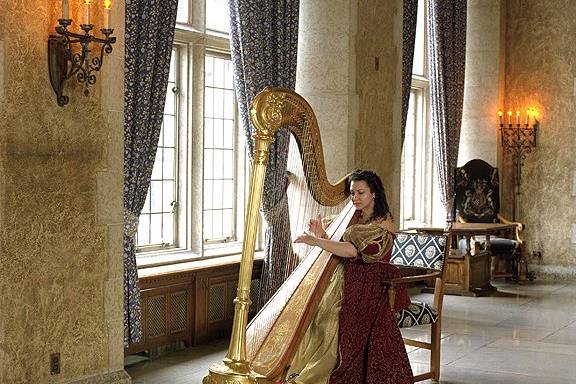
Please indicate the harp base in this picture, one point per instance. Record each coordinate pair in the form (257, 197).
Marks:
(223, 374)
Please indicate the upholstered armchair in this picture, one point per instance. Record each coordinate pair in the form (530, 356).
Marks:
(477, 200)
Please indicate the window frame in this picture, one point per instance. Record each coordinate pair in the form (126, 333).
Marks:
(193, 41)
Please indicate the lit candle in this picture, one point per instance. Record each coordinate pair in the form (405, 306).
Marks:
(107, 5)
(87, 17)
(517, 117)
(65, 14)
(509, 117)
(527, 117)
(500, 117)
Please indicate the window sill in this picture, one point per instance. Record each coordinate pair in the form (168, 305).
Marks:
(186, 261)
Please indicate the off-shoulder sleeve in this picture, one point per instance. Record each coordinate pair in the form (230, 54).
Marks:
(371, 241)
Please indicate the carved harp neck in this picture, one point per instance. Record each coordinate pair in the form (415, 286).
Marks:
(274, 108)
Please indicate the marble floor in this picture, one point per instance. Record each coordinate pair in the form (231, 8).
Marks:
(521, 335)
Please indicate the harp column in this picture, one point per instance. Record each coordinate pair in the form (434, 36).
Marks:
(266, 115)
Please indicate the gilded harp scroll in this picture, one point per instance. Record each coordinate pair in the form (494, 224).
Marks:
(261, 351)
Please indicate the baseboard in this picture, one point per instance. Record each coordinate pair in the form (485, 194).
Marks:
(118, 377)
(553, 272)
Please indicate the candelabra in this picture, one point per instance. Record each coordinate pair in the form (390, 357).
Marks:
(65, 62)
(518, 140)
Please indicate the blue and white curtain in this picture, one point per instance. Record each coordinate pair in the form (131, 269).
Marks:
(264, 43)
(447, 57)
(409, 19)
(149, 35)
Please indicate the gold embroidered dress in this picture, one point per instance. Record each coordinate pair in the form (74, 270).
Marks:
(353, 337)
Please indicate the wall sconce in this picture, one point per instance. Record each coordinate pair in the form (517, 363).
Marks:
(518, 139)
(65, 62)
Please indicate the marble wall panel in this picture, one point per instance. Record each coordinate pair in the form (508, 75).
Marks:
(326, 76)
(540, 71)
(60, 258)
(378, 142)
(479, 133)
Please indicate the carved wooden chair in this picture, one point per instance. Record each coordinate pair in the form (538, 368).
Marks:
(427, 252)
(477, 200)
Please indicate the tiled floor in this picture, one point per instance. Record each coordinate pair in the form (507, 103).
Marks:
(522, 335)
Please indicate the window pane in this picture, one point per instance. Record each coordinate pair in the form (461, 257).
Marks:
(229, 104)
(228, 134)
(208, 164)
(217, 15)
(228, 75)
(209, 71)
(208, 194)
(209, 102)
(218, 164)
(217, 194)
(228, 158)
(208, 225)
(146, 208)
(168, 163)
(218, 133)
(217, 224)
(227, 223)
(228, 197)
(218, 103)
(167, 228)
(156, 228)
(218, 72)
(168, 196)
(172, 73)
(182, 15)
(170, 100)
(169, 128)
(157, 169)
(156, 196)
(419, 43)
(143, 236)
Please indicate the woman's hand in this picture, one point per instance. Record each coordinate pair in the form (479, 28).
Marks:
(307, 238)
(315, 226)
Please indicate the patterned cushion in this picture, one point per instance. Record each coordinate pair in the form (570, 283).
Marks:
(419, 250)
(417, 313)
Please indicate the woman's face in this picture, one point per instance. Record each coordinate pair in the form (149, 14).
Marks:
(361, 195)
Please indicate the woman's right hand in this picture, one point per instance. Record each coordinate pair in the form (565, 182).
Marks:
(315, 227)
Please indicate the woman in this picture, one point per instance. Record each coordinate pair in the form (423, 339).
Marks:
(353, 338)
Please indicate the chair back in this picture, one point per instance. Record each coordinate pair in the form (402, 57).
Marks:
(477, 192)
(420, 250)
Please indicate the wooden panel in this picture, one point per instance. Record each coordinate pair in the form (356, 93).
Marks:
(192, 306)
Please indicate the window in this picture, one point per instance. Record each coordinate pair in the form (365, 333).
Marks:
(417, 160)
(195, 204)
(158, 218)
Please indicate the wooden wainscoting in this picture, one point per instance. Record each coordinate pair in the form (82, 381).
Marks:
(189, 302)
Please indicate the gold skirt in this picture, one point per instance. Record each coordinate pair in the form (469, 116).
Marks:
(317, 354)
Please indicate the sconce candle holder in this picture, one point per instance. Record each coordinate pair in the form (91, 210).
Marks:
(518, 140)
(64, 62)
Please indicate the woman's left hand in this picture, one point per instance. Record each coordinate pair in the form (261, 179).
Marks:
(307, 238)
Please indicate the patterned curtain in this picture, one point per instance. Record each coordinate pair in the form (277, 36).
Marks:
(409, 19)
(447, 56)
(149, 35)
(264, 39)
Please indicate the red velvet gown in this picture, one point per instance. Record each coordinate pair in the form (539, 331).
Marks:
(370, 344)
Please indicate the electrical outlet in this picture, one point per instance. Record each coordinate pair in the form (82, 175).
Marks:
(55, 363)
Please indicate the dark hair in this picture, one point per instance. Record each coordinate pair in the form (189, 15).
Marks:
(381, 208)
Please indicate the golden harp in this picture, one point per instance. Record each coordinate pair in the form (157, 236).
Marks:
(260, 352)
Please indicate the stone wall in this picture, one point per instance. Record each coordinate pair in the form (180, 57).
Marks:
(60, 208)
(541, 73)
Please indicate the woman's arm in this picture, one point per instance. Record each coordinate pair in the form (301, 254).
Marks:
(338, 248)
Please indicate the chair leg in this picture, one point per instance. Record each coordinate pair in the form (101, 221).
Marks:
(435, 350)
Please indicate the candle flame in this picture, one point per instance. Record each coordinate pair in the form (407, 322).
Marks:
(107, 4)
(499, 113)
(87, 2)
(509, 113)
